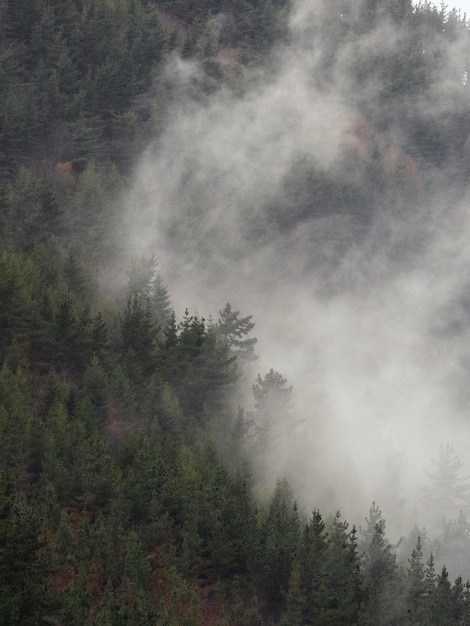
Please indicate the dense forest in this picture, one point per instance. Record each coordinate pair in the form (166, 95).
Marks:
(138, 482)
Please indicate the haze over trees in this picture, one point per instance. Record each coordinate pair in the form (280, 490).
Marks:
(146, 473)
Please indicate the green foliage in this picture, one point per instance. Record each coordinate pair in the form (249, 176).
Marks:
(380, 570)
(138, 340)
(16, 427)
(33, 211)
(117, 488)
(92, 209)
(326, 586)
(279, 543)
(234, 330)
(146, 283)
(126, 490)
(96, 386)
(197, 365)
(25, 594)
(416, 584)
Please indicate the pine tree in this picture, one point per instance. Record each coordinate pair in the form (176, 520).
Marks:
(312, 554)
(455, 543)
(146, 282)
(25, 595)
(160, 301)
(450, 491)
(380, 570)
(416, 587)
(343, 596)
(272, 397)
(138, 340)
(443, 606)
(141, 278)
(234, 330)
(280, 536)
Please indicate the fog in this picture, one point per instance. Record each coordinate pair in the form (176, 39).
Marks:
(365, 312)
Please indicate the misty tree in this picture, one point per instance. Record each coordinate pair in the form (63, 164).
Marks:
(146, 283)
(416, 588)
(280, 535)
(197, 365)
(271, 391)
(311, 571)
(137, 344)
(380, 571)
(141, 277)
(160, 301)
(272, 398)
(430, 575)
(454, 544)
(32, 211)
(446, 605)
(91, 212)
(449, 492)
(235, 330)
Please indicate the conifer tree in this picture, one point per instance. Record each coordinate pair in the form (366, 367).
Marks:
(449, 492)
(443, 609)
(138, 340)
(343, 597)
(272, 397)
(235, 330)
(160, 301)
(312, 555)
(25, 594)
(380, 571)
(279, 544)
(416, 587)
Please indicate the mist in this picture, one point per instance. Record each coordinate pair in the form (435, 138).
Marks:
(362, 306)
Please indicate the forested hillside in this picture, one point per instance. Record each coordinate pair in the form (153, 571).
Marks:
(149, 460)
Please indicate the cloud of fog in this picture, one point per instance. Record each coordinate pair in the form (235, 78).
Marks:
(367, 317)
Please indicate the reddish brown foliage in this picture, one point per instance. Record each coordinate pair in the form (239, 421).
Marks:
(64, 580)
(65, 166)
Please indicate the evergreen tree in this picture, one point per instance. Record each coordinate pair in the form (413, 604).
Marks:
(450, 491)
(279, 547)
(141, 278)
(25, 594)
(444, 609)
(343, 597)
(313, 550)
(146, 282)
(272, 397)
(161, 302)
(455, 543)
(138, 340)
(16, 417)
(416, 587)
(327, 587)
(234, 331)
(381, 574)
(198, 367)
